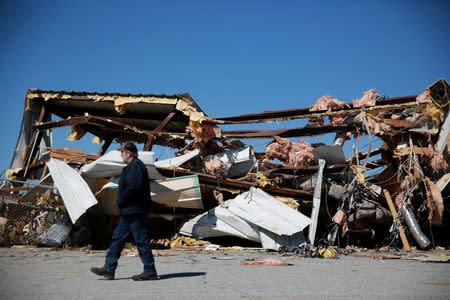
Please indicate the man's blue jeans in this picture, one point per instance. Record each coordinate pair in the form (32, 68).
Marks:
(137, 224)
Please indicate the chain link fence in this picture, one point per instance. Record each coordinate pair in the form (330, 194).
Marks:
(31, 214)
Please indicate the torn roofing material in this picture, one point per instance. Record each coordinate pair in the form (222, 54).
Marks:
(143, 111)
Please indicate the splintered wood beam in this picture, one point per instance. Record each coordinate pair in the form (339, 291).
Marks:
(399, 225)
(149, 145)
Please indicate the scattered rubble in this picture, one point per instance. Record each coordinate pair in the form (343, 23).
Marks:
(217, 187)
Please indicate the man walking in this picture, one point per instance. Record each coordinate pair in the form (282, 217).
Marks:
(134, 203)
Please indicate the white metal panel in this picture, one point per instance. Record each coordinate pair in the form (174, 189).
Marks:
(176, 161)
(272, 241)
(181, 191)
(264, 210)
(248, 230)
(111, 164)
(219, 222)
(316, 202)
(75, 192)
(239, 161)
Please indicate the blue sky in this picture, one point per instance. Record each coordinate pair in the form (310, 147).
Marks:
(232, 57)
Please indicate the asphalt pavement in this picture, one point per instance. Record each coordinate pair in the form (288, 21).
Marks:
(42, 273)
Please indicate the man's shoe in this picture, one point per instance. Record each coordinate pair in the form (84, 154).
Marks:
(145, 276)
(102, 272)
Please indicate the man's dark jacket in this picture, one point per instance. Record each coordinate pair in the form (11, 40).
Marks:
(134, 189)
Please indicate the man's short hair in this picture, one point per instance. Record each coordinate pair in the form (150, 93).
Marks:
(129, 147)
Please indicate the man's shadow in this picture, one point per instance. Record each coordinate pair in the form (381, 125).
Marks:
(172, 275)
(183, 274)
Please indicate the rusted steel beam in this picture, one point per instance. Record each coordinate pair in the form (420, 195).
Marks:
(282, 115)
(21, 173)
(105, 146)
(78, 121)
(107, 113)
(290, 132)
(233, 183)
(149, 144)
(106, 123)
(307, 170)
(35, 141)
(361, 156)
(397, 123)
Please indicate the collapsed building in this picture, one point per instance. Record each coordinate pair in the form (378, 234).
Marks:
(291, 195)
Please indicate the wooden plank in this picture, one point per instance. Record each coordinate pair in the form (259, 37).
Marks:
(67, 150)
(394, 215)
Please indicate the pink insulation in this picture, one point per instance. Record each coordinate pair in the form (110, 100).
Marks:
(368, 99)
(301, 154)
(327, 103)
(435, 205)
(423, 96)
(402, 190)
(266, 262)
(377, 128)
(204, 132)
(335, 120)
(291, 153)
(341, 219)
(215, 167)
(436, 159)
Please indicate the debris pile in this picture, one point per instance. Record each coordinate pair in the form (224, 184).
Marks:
(292, 197)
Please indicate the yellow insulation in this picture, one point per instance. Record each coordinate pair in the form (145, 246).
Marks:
(77, 132)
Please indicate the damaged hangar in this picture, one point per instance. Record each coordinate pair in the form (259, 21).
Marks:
(292, 194)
